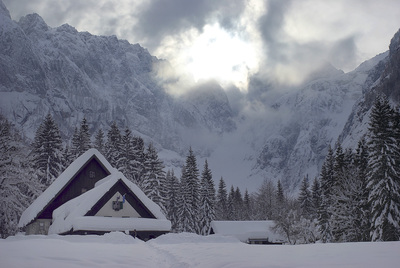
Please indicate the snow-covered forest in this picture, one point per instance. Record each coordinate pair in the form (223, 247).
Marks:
(356, 197)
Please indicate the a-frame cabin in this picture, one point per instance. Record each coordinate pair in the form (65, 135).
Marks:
(91, 197)
(115, 204)
(78, 178)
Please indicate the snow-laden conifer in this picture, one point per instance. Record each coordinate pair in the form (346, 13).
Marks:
(190, 195)
(113, 145)
(383, 175)
(154, 177)
(305, 199)
(172, 199)
(327, 182)
(18, 183)
(47, 151)
(222, 201)
(207, 200)
(99, 141)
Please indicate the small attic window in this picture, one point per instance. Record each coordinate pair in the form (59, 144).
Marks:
(92, 174)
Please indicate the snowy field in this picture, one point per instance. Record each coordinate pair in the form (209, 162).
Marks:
(187, 250)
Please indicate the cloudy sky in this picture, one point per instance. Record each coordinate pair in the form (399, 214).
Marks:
(232, 40)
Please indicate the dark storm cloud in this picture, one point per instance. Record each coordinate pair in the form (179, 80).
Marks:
(290, 60)
(271, 28)
(162, 18)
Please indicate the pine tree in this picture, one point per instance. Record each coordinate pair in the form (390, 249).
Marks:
(207, 200)
(184, 211)
(113, 145)
(80, 140)
(47, 151)
(338, 198)
(315, 197)
(247, 206)
(190, 195)
(75, 144)
(68, 158)
(172, 200)
(126, 160)
(361, 164)
(305, 199)
(280, 197)
(99, 141)
(327, 182)
(383, 175)
(154, 177)
(84, 134)
(18, 185)
(238, 205)
(231, 204)
(266, 207)
(222, 201)
(138, 160)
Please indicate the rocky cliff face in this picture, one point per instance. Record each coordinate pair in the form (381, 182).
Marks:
(74, 74)
(315, 117)
(384, 78)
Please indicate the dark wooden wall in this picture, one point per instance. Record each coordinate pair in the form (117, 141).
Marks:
(82, 180)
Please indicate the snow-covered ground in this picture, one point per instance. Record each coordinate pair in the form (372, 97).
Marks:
(187, 250)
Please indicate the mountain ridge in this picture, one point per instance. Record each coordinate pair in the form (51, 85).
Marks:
(246, 138)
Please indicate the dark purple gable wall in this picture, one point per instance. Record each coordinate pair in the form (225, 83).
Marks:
(130, 197)
(82, 181)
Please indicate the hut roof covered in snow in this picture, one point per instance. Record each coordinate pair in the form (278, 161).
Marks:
(247, 230)
(55, 195)
(83, 212)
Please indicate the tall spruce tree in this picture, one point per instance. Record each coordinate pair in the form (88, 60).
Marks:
(266, 201)
(315, 197)
(84, 134)
(305, 199)
(327, 182)
(247, 206)
(139, 160)
(80, 140)
(99, 141)
(127, 155)
(238, 205)
(207, 200)
(190, 195)
(231, 205)
(222, 201)
(361, 165)
(18, 184)
(172, 200)
(48, 151)
(113, 145)
(154, 177)
(383, 175)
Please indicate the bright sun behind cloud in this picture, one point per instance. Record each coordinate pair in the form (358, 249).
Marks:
(212, 54)
(216, 54)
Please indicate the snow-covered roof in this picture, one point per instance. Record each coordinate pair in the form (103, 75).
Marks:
(71, 215)
(244, 230)
(58, 185)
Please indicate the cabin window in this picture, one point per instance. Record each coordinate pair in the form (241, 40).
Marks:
(41, 226)
(92, 174)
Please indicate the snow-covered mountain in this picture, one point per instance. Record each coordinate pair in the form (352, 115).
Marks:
(75, 74)
(384, 79)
